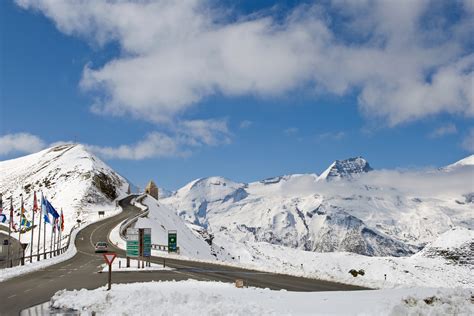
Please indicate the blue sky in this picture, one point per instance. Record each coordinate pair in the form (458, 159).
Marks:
(290, 105)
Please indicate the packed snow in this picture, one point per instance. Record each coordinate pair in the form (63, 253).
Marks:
(215, 298)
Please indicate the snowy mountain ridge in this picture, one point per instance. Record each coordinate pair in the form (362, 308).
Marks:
(376, 213)
(71, 177)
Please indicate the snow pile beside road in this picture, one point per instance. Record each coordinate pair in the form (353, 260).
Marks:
(214, 298)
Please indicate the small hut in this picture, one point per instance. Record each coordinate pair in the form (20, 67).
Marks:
(152, 189)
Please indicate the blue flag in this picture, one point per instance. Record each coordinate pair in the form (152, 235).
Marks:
(51, 210)
(44, 209)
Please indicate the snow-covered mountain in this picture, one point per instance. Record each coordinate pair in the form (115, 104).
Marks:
(377, 213)
(346, 169)
(72, 179)
(466, 162)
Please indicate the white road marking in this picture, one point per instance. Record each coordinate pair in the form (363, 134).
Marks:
(28, 290)
(12, 296)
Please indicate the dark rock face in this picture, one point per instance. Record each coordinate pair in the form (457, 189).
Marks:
(106, 185)
(347, 168)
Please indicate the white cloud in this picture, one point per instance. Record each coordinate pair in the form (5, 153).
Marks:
(245, 124)
(20, 143)
(175, 53)
(154, 145)
(444, 130)
(181, 141)
(468, 141)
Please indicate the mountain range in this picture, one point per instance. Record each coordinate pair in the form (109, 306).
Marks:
(350, 207)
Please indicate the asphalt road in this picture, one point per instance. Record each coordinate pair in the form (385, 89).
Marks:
(81, 271)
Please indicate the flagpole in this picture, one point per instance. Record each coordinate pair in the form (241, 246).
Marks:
(59, 238)
(21, 219)
(35, 206)
(59, 233)
(51, 242)
(9, 231)
(39, 237)
(44, 241)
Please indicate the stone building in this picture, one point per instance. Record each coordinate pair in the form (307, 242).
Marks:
(152, 189)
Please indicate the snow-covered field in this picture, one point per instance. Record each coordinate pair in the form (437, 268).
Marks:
(215, 298)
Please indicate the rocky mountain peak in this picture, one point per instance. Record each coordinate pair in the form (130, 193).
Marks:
(346, 169)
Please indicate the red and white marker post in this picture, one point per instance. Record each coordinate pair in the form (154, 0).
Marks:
(109, 258)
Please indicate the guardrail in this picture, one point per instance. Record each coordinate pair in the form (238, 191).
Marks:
(162, 247)
(20, 260)
(129, 222)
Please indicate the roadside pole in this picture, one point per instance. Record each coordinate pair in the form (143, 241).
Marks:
(10, 232)
(35, 208)
(109, 258)
(39, 237)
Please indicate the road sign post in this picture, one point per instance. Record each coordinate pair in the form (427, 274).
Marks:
(172, 241)
(109, 258)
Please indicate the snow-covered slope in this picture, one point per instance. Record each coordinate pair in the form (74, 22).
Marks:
(69, 176)
(456, 245)
(375, 214)
(161, 219)
(466, 162)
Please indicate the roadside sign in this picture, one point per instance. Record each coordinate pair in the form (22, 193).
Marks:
(133, 242)
(172, 241)
(147, 242)
(109, 257)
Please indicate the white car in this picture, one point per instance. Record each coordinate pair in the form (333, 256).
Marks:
(101, 246)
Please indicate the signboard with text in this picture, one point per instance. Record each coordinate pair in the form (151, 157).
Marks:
(146, 242)
(172, 241)
(133, 242)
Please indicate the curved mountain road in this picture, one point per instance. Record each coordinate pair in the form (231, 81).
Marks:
(81, 271)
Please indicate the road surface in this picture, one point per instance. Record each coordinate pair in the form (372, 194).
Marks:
(81, 271)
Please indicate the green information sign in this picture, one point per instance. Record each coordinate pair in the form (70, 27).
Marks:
(133, 243)
(172, 241)
(147, 242)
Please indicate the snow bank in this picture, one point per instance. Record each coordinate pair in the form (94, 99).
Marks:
(215, 298)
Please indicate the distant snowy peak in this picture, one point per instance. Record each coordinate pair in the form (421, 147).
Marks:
(468, 161)
(209, 188)
(345, 169)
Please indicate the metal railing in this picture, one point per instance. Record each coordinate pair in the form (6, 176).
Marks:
(129, 222)
(21, 258)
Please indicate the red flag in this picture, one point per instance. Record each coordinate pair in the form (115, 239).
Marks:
(35, 204)
(22, 210)
(62, 221)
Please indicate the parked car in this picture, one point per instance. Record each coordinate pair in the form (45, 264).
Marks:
(101, 246)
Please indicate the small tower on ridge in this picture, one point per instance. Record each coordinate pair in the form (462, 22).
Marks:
(152, 189)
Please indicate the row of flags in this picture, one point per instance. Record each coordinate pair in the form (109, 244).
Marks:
(49, 213)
